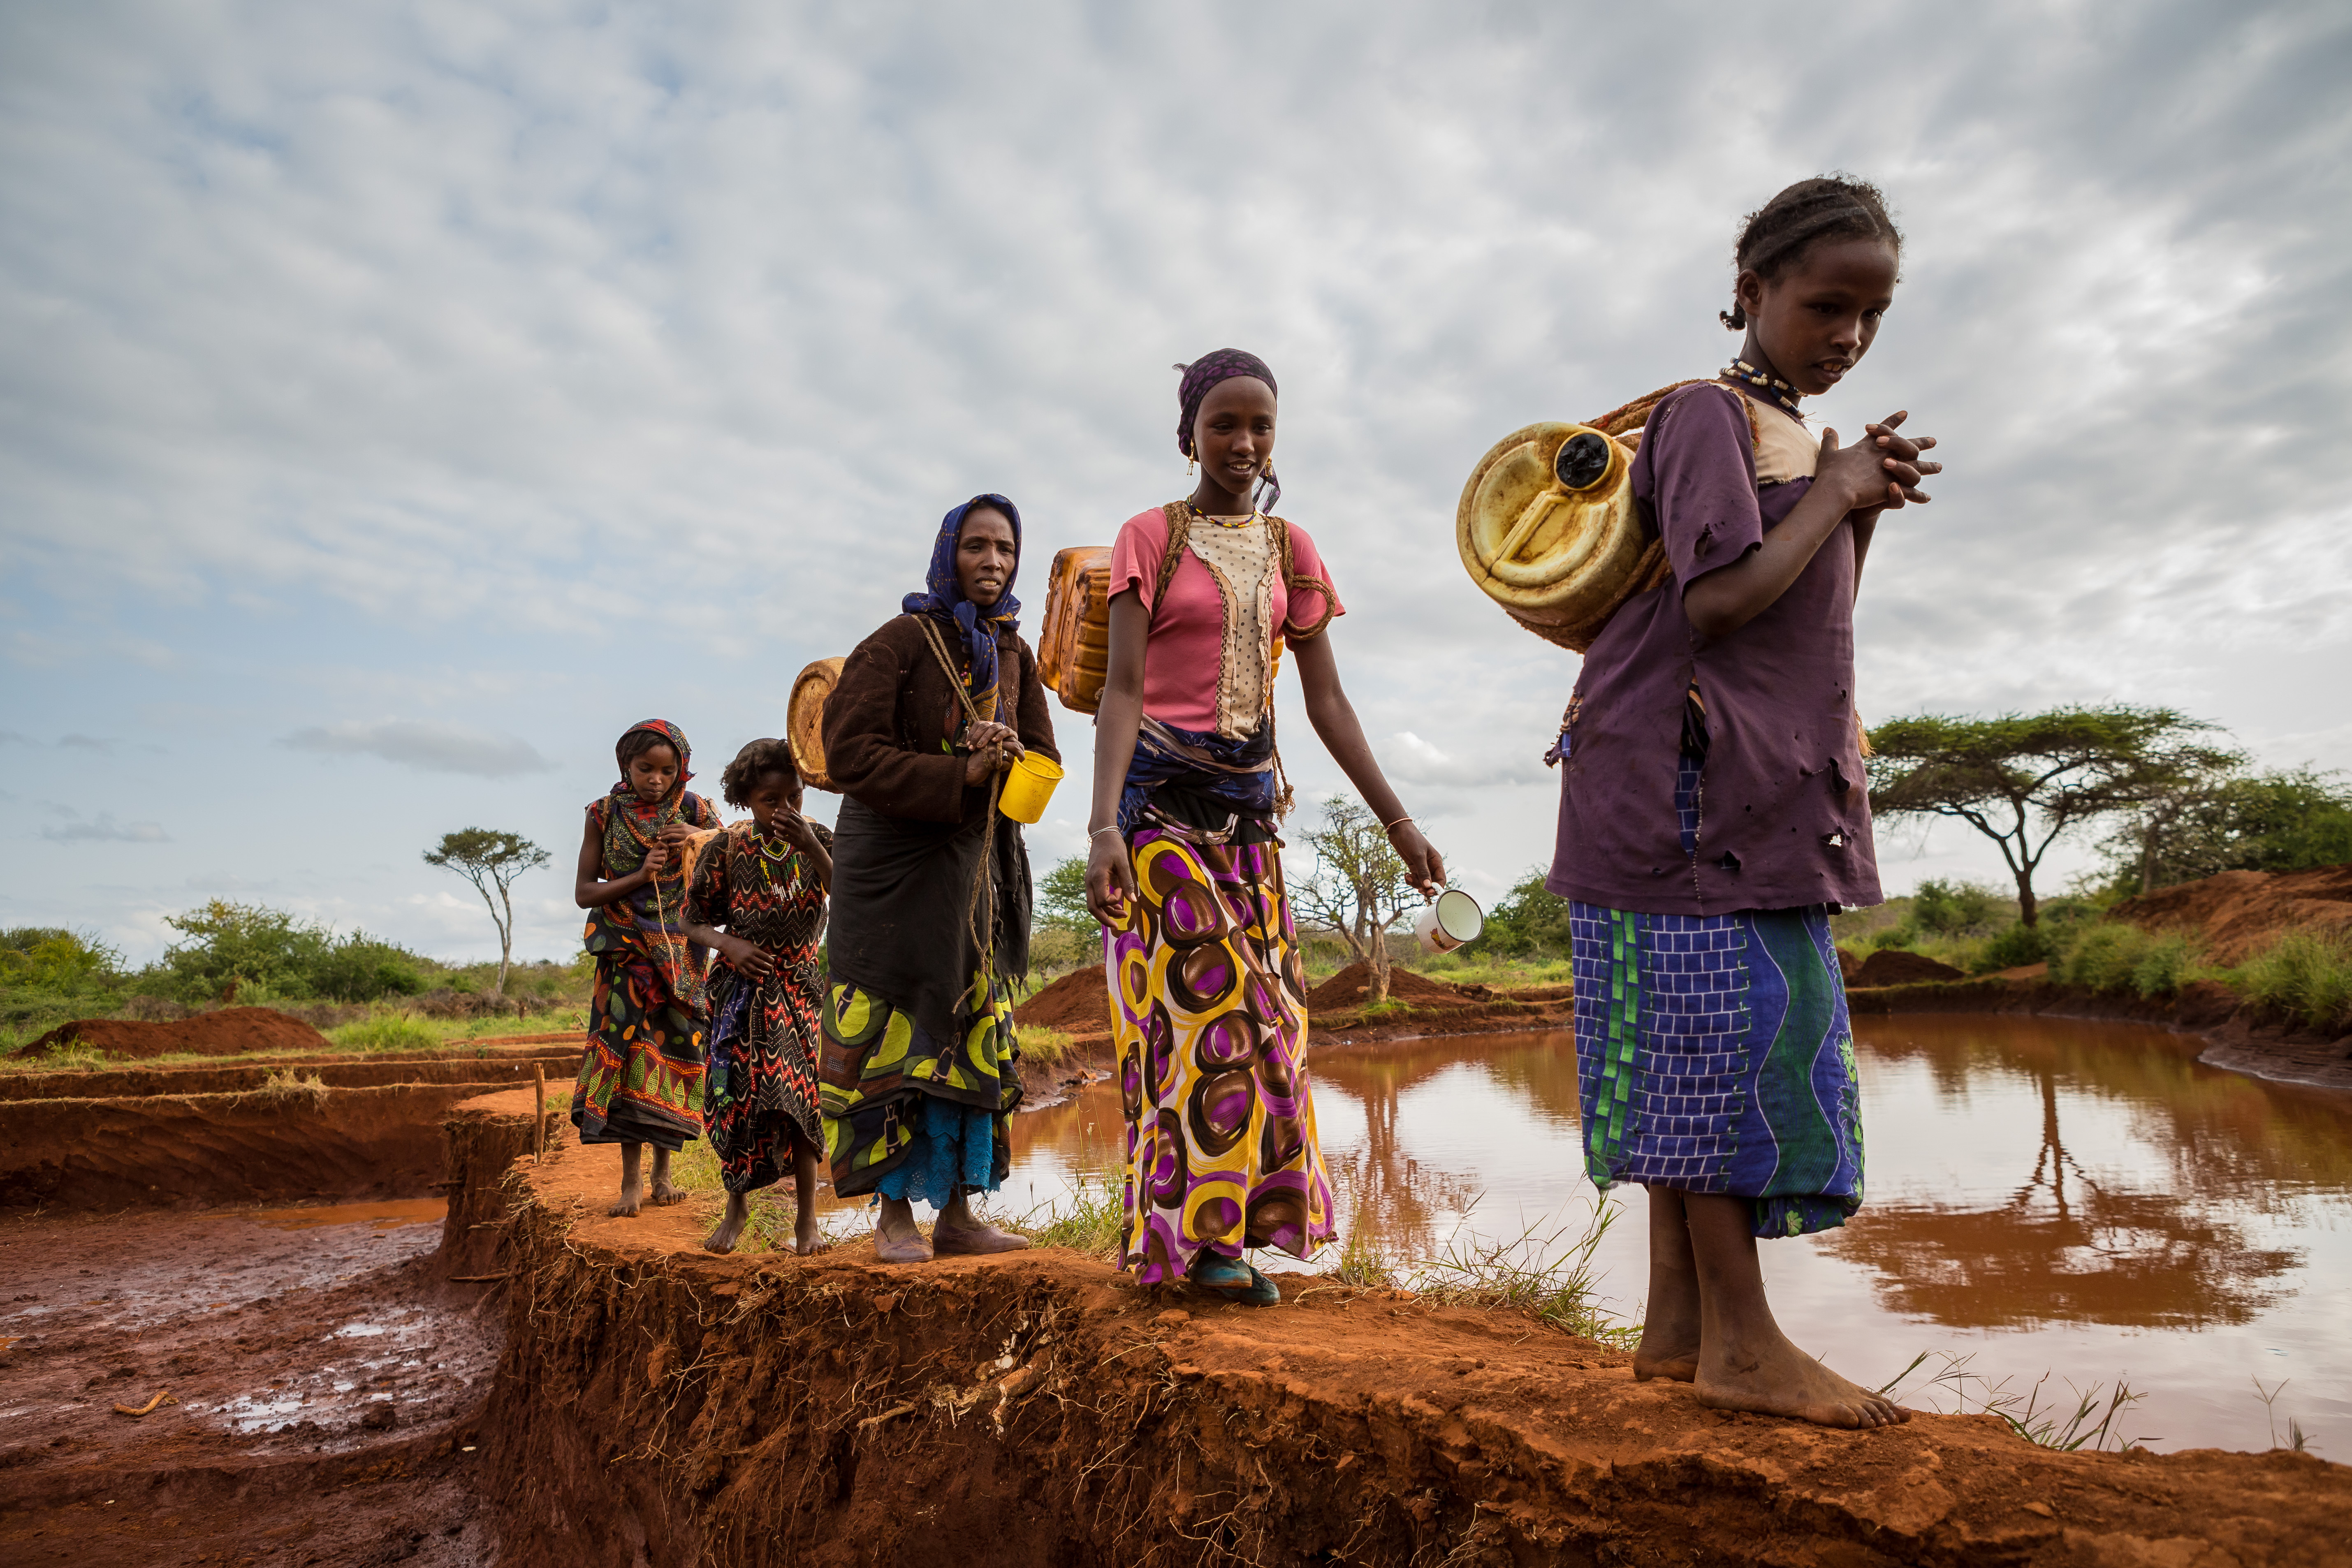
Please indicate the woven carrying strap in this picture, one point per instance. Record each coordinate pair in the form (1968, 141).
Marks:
(984, 885)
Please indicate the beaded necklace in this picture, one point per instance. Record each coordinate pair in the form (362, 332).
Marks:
(1222, 522)
(1781, 394)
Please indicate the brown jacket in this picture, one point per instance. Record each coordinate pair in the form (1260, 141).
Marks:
(888, 717)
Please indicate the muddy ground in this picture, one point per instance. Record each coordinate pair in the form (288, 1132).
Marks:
(319, 1388)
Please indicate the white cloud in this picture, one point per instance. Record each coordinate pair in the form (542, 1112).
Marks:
(105, 829)
(435, 748)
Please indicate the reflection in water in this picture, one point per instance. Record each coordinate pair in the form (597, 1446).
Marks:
(2087, 1193)
(2095, 1254)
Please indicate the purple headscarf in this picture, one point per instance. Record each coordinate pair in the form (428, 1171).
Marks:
(1205, 372)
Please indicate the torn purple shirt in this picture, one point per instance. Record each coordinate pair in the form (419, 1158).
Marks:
(1783, 808)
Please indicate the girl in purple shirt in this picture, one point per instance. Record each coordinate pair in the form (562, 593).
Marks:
(1714, 810)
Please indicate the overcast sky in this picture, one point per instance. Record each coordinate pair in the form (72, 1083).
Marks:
(397, 402)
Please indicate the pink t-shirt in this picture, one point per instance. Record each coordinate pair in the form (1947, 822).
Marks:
(1185, 658)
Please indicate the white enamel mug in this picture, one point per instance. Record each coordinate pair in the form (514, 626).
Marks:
(1454, 919)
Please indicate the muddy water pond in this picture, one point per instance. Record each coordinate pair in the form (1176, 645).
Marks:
(2080, 1200)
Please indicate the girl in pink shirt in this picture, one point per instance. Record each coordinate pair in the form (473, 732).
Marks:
(1184, 868)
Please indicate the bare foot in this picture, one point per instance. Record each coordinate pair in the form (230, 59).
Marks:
(632, 1194)
(1672, 1362)
(1773, 1377)
(977, 1236)
(730, 1226)
(665, 1193)
(807, 1240)
(898, 1239)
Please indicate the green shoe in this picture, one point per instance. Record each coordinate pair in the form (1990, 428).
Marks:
(1262, 1292)
(1215, 1271)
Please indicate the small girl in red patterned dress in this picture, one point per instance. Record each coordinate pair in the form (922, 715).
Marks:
(765, 882)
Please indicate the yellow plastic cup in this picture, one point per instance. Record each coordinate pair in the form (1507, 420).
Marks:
(1028, 786)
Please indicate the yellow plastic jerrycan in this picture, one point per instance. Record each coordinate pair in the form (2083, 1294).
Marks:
(1548, 527)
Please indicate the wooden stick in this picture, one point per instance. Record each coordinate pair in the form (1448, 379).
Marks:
(479, 1278)
(148, 1408)
(539, 1120)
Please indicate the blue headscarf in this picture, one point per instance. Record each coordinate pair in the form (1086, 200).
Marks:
(943, 597)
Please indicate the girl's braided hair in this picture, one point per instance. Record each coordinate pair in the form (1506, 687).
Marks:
(1777, 233)
(753, 762)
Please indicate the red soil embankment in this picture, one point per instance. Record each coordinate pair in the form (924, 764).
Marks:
(662, 1406)
(1895, 966)
(2238, 911)
(334, 1072)
(1351, 986)
(175, 1151)
(1076, 1004)
(229, 1032)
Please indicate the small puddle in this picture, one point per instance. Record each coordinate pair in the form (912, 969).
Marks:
(388, 1216)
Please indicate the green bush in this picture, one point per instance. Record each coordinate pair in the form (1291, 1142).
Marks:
(2124, 961)
(1904, 935)
(50, 958)
(387, 1032)
(2015, 946)
(1529, 920)
(1947, 908)
(2305, 975)
(272, 956)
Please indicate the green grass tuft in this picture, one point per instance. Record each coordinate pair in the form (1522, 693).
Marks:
(1549, 1277)
(1092, 1221)
(2304, 976)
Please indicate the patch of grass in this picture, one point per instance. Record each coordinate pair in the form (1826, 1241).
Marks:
(2124, 961)
(2298, 1441)
(1363, 1264)
(1549, 1275)
(72, 1054)
(2304, 976)
(2091, 1423)
(285, 1083)
(1092, 1221)
(1044, 1046)
(388, 1032)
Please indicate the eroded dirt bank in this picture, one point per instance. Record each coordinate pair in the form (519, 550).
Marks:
(656, 1405)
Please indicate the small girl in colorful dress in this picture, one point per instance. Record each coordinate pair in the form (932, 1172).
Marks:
(765, 882)
(641, 1079)
(1713, 811)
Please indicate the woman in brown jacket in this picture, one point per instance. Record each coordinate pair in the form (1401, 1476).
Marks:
(930, 894)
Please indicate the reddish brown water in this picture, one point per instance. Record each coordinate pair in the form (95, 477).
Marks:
(2045, 1197)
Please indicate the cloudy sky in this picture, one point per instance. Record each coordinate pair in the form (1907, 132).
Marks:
(397, 401)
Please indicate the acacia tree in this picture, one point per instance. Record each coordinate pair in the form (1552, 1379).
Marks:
(2022, 780)
(490, 859)
(1360, 887)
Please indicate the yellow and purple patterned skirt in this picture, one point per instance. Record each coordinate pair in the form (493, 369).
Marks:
(1208, 1014)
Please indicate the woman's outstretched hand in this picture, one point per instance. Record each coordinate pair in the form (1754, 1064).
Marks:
(1110, 879)
(994, 747)
(1421, 860)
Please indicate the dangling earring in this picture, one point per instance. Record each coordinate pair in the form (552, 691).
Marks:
(1189, 462)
